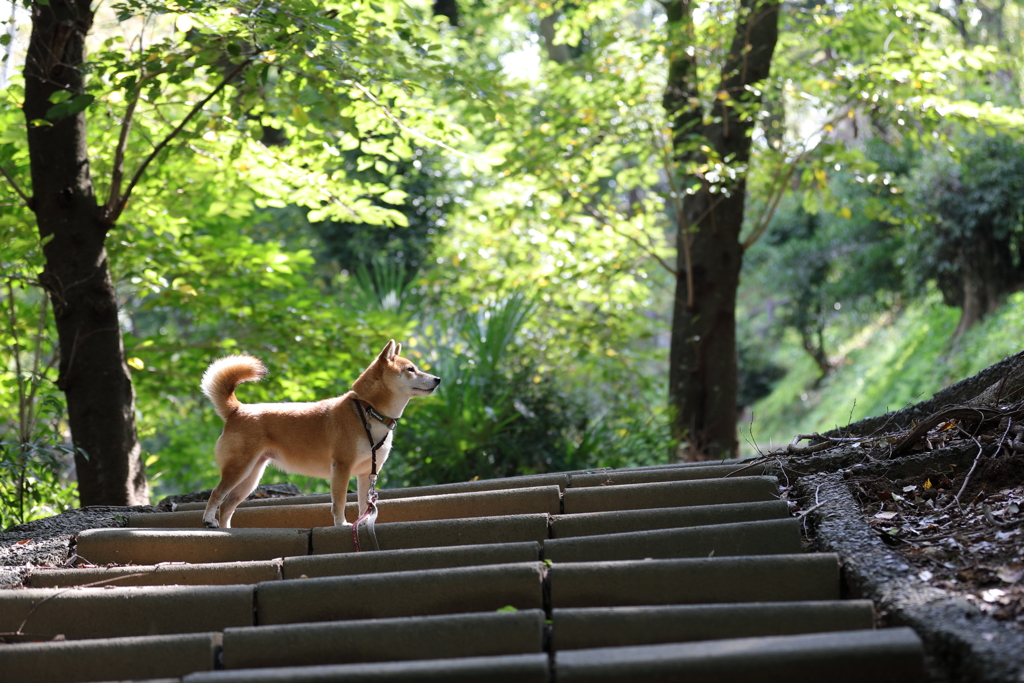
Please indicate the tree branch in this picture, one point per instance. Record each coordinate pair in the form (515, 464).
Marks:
(16, 352)
(664, 154)
(117, 175)
(24, 197)
(112, 213)
(647, 250)
(408, 129)
(776, 196)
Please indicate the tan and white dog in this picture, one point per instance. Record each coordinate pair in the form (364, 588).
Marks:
(326, 439)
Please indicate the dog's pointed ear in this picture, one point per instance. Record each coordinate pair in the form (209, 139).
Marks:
(388, 352)
(398, 350)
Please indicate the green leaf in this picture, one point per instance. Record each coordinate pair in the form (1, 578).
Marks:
(300, 116)
(60, 96)
(69, 108)
(393, 197)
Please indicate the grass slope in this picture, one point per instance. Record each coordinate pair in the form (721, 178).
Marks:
(899, 359)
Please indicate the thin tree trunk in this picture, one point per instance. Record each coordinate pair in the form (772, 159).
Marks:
(557, 52)
(703, 372)
(92, 371)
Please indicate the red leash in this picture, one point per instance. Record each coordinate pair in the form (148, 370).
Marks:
(370, 516)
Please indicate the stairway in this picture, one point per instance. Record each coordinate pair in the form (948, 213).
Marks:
(654, 574)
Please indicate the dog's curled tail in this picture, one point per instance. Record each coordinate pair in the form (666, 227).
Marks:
(224, 375)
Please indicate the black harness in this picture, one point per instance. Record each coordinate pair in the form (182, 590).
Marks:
(364, 409)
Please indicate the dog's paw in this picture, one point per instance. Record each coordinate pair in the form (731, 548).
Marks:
(211, 524)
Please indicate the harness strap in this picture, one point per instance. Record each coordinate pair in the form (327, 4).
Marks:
(370, 516)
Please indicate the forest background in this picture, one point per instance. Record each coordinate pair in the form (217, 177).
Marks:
(501, 186)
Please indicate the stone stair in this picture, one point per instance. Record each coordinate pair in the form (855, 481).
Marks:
(658, 573)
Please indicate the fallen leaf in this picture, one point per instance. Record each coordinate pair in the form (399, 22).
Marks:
(28, 540)
(1011, 573)
(927, 484)
(886, 515)
(909, 489)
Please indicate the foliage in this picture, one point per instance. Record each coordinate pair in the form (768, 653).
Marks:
(33, 482)
(498, 413)
(529, 258)
(818, 266)
(894, 360)
(967, 217)
(34, 453)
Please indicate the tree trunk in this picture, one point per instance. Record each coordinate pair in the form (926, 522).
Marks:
(814, 344)
(974, 302)
(557, 52)
(702, 372)
(985, 274)
(93, 374)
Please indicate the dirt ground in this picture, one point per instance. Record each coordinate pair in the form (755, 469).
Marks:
(967, 540)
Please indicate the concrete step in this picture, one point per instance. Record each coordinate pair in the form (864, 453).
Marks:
(413, 559)
(255, 517)
(531, 668)
(200, 546)
(698, 463)
(136, 658)
(436, 534)
(152, 546)
(169, 574)
(82, 613)
(459, 591)
(646, 475)
(402, 594)
(381, 640)
(768, 537)
(446, 506)
(765, 578)
(298, 567)
(594, 477)
(669, 494)
(560, 479)
(622, 521)
(434, 637)
(599, 627)
(889, 656)
(781, 536)
(695, 492)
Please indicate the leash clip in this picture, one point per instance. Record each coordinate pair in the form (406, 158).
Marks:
(370, 516)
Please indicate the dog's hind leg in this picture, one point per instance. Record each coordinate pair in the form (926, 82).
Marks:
(233, 472)
(340, 474)
(241, 492)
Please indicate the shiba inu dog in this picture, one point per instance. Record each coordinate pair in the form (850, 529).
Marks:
(330, 439)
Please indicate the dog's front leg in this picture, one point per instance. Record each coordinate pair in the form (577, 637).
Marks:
(340, 474)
